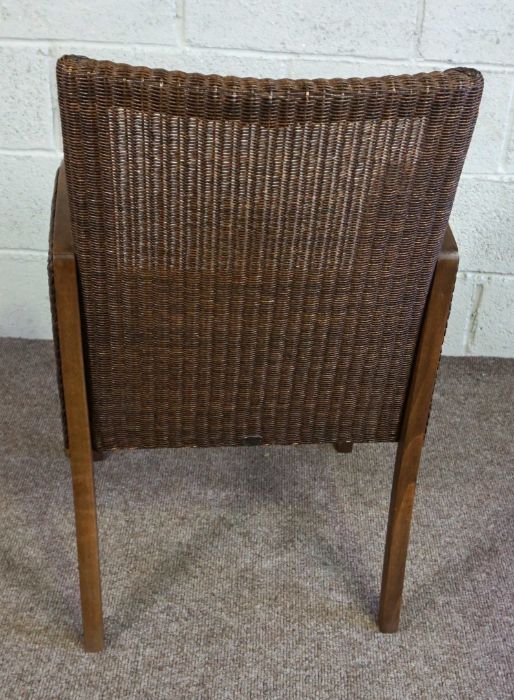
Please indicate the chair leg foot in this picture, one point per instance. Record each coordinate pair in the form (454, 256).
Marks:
(343, 446)
(87, 550)
(388, 626)
(93, 645)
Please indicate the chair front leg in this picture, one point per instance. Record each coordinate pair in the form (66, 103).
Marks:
(81, 456)
(87, 550)
(77, 417)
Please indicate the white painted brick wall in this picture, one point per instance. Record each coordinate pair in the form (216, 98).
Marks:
(271, 38)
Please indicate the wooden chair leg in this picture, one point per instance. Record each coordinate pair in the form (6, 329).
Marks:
(397, 538)
(413, 434)
(97, 455)
(77, 416)
(80, 452)
(87, 550)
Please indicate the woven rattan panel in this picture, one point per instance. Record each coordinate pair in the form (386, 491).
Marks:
(255, 255)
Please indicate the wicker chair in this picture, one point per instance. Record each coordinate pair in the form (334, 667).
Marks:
(239, 261)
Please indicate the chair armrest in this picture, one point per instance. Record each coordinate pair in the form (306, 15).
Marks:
(62, 242)
(449, 250)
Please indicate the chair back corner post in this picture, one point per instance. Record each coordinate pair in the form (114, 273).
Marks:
(412, 434)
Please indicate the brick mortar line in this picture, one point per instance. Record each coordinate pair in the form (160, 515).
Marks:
(31, 152)
(508, 133)
(420, 19)
(471, 327)
(504, 67)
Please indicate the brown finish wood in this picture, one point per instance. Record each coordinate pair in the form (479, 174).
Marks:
(98, 456)
(75, 398)
(413, 433)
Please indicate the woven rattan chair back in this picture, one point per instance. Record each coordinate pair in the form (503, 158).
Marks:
(254, 260)
(255, 255)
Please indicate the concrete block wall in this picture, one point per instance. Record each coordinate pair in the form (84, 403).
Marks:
(271, 38)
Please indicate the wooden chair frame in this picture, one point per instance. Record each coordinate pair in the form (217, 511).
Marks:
(408, 455)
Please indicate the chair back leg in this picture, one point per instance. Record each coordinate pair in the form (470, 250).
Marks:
(413, 434)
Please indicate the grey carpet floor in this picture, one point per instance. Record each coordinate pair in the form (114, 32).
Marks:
(255, 572)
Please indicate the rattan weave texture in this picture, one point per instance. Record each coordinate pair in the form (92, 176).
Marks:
(254, 256)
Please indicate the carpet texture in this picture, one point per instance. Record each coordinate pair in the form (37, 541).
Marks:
(255, 572)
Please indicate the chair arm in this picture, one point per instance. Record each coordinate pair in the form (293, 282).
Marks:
(62, 242)
(449, 250)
